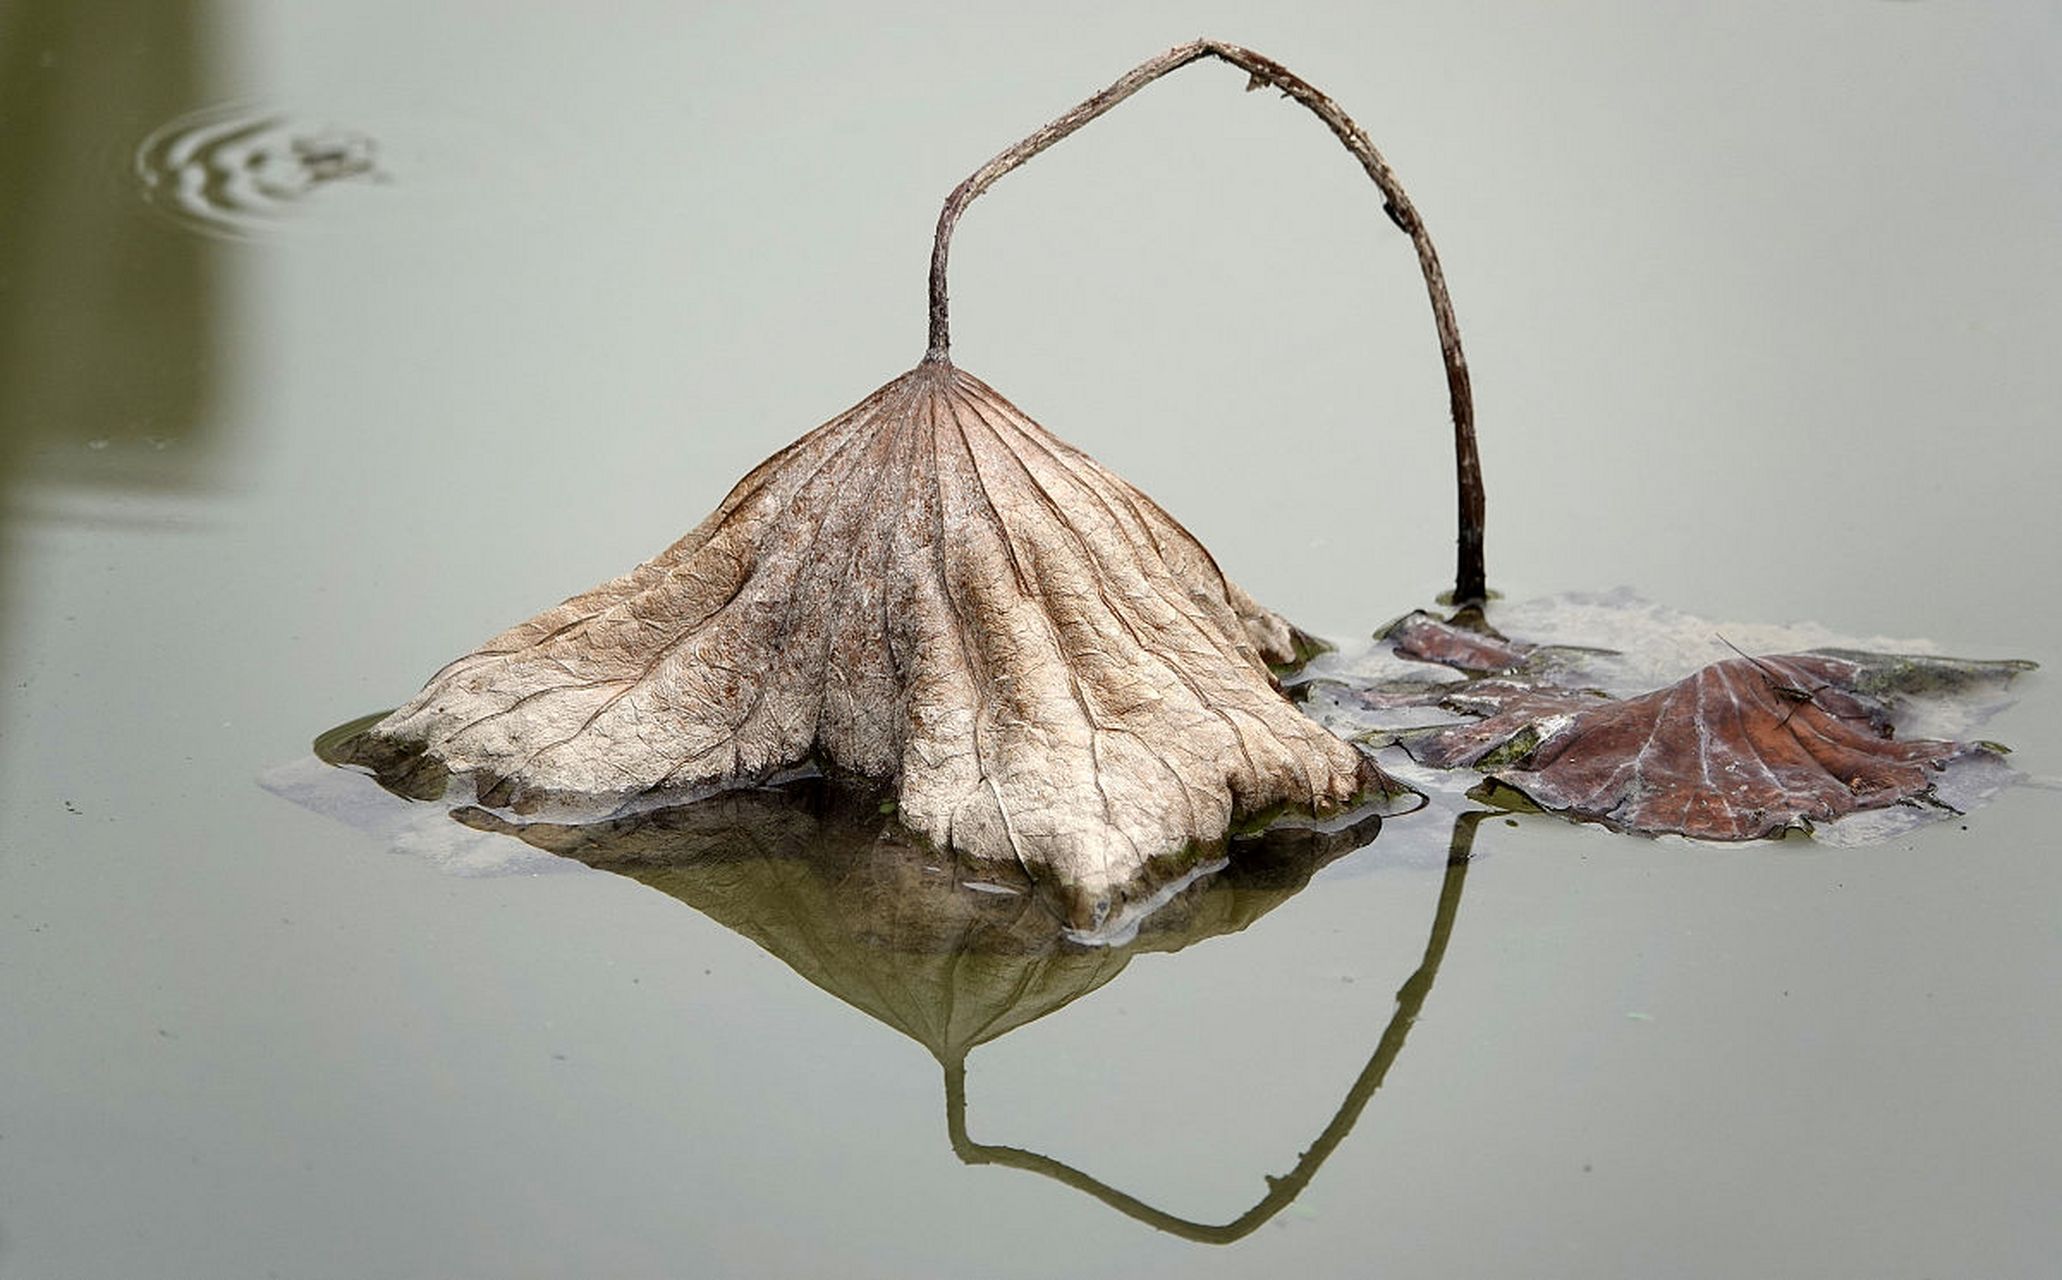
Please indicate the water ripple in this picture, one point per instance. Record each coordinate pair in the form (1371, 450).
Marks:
(236, 171)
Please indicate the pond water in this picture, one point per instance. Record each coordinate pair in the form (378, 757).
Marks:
(334, 337)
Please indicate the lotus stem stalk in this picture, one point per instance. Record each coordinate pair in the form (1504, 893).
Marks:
(1281, 1191)
(1470, 582)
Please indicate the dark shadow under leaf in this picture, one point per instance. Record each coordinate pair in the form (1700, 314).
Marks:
(950, 950)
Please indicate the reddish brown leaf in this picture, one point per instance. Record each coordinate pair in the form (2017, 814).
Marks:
(1744, 748)
(1515, 717)
(1423, 637)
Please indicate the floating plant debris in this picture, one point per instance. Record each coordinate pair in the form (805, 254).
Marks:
(933, 592)
(930, 589)
(934, 596)
(1421, 636)
(1741, 748)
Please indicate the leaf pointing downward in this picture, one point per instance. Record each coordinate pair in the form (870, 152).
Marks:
(929, 589)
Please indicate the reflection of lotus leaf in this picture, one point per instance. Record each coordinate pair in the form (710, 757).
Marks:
(949, 952)
(825, 879)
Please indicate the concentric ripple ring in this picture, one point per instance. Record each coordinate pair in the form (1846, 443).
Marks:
(234, 171)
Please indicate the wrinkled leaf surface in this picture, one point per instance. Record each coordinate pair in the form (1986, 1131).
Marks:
(933, 591)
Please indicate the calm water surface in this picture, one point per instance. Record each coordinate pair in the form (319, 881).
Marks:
(335, 337)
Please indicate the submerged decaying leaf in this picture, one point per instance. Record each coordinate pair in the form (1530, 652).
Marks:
(1739, 748)
(930, 590)
(1745, 748)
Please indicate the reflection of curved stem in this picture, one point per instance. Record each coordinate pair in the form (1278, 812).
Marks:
(1469, 584)
(1410, 997)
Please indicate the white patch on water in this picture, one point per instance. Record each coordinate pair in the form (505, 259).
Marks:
(418, 829)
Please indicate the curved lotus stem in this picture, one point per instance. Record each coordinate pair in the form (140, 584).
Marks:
(1470, 584)
(1410, 1001)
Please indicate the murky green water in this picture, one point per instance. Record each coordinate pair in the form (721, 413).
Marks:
(334, 337)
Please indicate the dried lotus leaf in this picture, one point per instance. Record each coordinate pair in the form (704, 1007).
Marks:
(930, 590)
